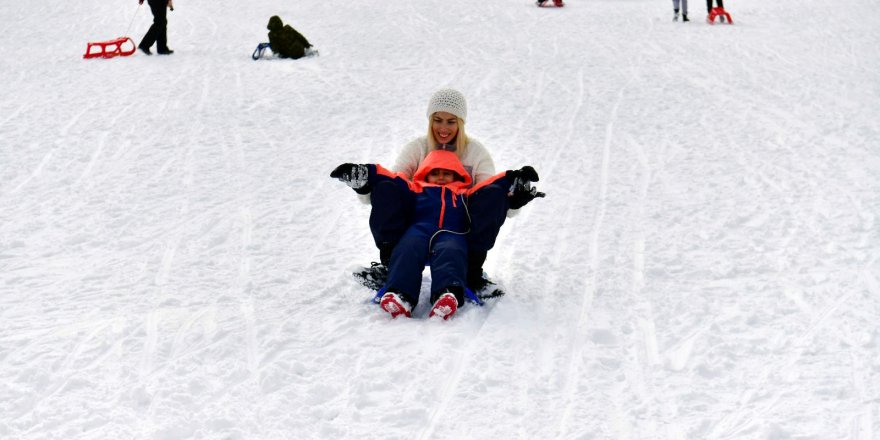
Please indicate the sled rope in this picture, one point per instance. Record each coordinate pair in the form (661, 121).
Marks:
(132, 18)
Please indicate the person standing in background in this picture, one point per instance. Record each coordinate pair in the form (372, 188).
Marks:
(684, 9)
(158, 30)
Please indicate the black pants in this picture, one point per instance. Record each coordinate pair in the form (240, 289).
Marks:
(488, 209)
(390, 215)
(709, 4)
(158, 31)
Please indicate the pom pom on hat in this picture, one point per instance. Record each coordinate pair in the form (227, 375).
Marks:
(449, 101)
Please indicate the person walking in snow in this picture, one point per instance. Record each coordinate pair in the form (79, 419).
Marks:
(684, 9)
(447, 113)
(158, 32)
(436, 202)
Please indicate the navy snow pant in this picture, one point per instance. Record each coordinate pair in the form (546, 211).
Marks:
(390, 215)
(447, 256)
(488, 209)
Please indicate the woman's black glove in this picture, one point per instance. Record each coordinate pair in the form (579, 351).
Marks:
(521, 191)
(354, 175)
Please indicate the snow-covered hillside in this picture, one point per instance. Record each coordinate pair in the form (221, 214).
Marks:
(175, 260)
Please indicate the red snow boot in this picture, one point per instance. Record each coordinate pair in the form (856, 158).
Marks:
(558, 3)
(394, 305)
(445, 306)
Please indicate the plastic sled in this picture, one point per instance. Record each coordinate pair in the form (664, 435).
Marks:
(260, 51)
(261, 48)
(110, 49)
(718, 12)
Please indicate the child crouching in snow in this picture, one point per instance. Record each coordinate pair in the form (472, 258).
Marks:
(439, 221)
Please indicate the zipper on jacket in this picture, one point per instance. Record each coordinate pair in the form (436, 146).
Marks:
(442, 206)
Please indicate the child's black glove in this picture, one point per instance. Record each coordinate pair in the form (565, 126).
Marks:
(354, 175)
(521, 191)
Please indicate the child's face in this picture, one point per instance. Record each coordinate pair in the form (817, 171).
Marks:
(440, 176)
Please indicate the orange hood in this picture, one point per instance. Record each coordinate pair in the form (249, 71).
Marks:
(446, 160)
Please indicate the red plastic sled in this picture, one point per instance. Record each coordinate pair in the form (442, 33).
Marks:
(715, 12)
(110, 49)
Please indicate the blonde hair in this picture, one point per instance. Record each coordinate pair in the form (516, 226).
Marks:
(461, 139)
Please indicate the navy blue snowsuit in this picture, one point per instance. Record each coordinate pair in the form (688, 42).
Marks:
(438, 226)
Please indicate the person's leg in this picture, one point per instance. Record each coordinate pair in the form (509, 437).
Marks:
(448, 266)
(390, 216)
(488, 210)
(406, 265)
(160, 20)
(153, 33)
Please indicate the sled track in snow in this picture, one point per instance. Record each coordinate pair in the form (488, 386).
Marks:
(573, 368)
(453, 384)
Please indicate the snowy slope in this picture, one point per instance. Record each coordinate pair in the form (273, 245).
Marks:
(175, 261)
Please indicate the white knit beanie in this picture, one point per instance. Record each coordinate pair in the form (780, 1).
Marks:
(450, 101)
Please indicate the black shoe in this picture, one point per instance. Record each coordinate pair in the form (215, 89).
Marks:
(684, 17)
(386, 248)
(484, 289)
(165, 52)
(373, 277)
(145, 50)
(478, 283)
(475, 278)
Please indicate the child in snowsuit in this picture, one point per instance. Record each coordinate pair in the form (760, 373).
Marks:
(285, 41)
(438, 205)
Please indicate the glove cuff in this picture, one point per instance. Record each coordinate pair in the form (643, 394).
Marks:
(366, 189)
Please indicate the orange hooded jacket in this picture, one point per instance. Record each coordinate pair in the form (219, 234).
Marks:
(444, 205)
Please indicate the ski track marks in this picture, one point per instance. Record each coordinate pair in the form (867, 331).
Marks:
(175, 258)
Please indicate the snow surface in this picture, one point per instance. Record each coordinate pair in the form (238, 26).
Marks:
(175, 261)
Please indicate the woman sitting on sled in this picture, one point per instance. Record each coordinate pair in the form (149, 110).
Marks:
(435, 204)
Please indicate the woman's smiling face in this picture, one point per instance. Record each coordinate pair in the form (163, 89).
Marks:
(444, 126)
